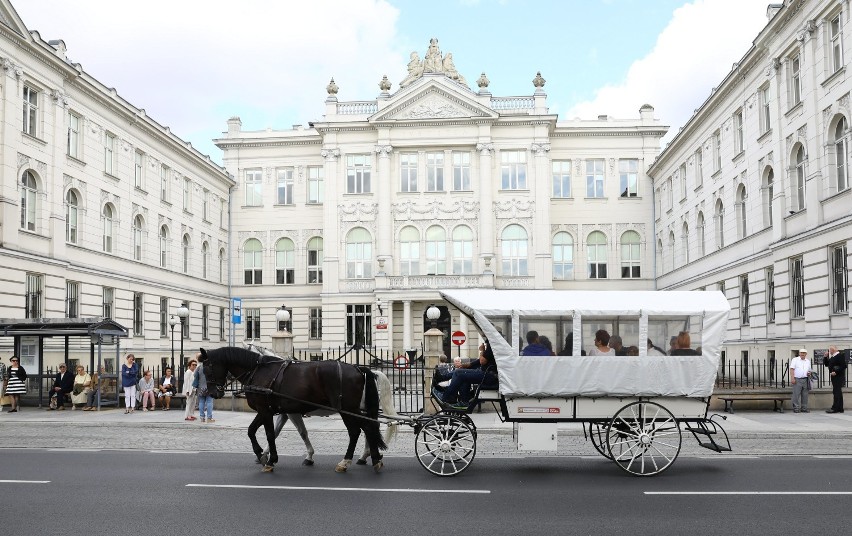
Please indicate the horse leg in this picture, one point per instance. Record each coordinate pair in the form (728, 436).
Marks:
(269, 428)
(363, 459)
(354, 432)
(299, 423)
(252, 434)
(280, 421)
(373, 439)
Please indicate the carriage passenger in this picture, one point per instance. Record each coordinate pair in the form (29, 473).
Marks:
(617, 345)
(683, 345)
(568, 349)
(484, 372)
(654, 350)
(544, 341)
(602, 344)
(534, 346)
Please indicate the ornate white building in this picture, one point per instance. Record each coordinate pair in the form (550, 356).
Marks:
(103, 211)
(353, 221)
(753, 195)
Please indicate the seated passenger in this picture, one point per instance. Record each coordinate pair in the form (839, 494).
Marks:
(633, 351)
(616, 344)
(534, 347)
(654, 350)
(483, 371)
(683, 345)
(602, 344)
(544, 341)
(568, 349)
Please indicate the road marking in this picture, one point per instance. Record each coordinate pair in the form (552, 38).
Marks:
(173, 451)
(322, 488)
(837, 457)
(24, 481)
(730, 457)
(748, 493)
(74, 450)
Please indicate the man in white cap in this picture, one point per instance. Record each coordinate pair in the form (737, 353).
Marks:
(800, 370)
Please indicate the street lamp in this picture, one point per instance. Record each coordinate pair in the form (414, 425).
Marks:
(282, 315)
(282, 340)
(433, 314)
(379, 306)
(183, 314)
(172, 322)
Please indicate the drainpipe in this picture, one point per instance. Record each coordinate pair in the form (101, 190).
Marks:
(654, 231)
(231, 337)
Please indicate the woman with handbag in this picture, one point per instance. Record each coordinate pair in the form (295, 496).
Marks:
(129, 372)
(14, 382)
(168, 386)
(82, 387)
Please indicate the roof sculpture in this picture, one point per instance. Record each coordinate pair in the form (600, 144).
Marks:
(434, 62)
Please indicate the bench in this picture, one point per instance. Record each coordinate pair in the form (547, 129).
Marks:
(777, 398)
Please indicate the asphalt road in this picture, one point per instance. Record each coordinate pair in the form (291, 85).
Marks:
(140, 492)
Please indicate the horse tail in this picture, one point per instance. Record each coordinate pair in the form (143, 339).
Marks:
(386, 400)
(371, 408)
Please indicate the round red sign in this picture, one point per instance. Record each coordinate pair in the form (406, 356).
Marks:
(458, 338)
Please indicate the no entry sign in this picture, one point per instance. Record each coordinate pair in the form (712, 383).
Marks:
(458, 338)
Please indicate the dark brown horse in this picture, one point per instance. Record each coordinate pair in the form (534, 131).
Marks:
(273, 385)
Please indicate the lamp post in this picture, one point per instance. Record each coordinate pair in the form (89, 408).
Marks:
(379, 306)
(172, 322)
(282, 340)
(433, 314)
(433, 340)
(183, 314)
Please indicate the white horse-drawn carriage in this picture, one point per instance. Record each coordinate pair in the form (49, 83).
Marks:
(634, 409)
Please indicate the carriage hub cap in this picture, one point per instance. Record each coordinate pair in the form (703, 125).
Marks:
(645, 439)
(445, 446)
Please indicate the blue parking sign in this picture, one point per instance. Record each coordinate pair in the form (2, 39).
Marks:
(237, 310)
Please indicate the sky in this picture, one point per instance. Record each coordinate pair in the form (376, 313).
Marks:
(192, 64)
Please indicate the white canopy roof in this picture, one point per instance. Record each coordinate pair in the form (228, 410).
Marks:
(599, 375)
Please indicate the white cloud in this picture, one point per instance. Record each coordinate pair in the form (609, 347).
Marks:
(692, 55)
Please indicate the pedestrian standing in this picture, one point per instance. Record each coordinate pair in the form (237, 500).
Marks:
(15, 384)
(205, 401)
(2, 383)
(800, 372)
(837, 371)
(129, 372)
(190, 390)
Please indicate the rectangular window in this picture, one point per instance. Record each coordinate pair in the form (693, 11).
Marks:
(561, 174)
(358, 174)
(164, 182)
(435, 172)
(252, 319)
(462, 251)
(681, 178)
(795, 80)
(315, 259)
(75, 136)
(770, 294)
(223, 211)
(595, 178)
(72, 299)
(205, 210)
(836, 51)
(839, 280)
(185, 324)
(30, 111)
(699, 168)
(408, 172)
(315, 330)
(738, 132)
(628, 172)
(316, 185)
(187, 194)
(109, 154)
(359, 322)
(745, 315)
(717, 151)
(221, 323)
(138, 312)
(513, 169)
(461, 172)
(35, 289)
(108, 302)
(205, 319)
(254, 187)
(765, 94)
(284, 192)
(138, 168)
(164, 317)
(797, 288)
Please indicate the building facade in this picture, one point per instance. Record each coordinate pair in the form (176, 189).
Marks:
(753, 195)
(103, 211)
(356, 220)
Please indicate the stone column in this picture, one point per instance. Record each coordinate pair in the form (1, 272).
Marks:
(331, 224)
(540, 236)
(463, 327)
(406, 324)
(486, 207)
(384, 223)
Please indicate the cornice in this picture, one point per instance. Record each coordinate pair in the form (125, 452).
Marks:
(229, 143)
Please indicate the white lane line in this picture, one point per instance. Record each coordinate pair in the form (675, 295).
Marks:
(322, 488)
(748, 493)
(174, 451)
(74, 450)
(829, 457)
(24, 481)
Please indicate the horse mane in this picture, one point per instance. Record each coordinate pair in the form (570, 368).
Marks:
(237, 356)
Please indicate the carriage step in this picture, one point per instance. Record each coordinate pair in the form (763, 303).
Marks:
(702, 430)
(715, 447)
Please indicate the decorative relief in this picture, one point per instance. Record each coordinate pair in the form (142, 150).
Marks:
(433, 107)
(611, 166)
(570, 228)
(41, 167)
(540, 149)
(605, 228)
(330, 154)
(485, 149)
(23, 160)
(514, 209)
(436, 210)
(803, 132)
(433, 62)
(578, 167)
(383, 150)
(125, 145)
(12, 68)
(826, 114)
(789, 142)
(94, 128)
(770, 158)
(59, 97)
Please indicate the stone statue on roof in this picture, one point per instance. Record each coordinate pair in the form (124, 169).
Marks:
(433, 62)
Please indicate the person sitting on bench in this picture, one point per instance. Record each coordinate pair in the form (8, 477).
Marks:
(63, 384)
(482, 371)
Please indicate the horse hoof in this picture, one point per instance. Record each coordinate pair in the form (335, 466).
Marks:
(361, 462)
(267, 469)
(307, 462)
(340, 468)
(377, 467)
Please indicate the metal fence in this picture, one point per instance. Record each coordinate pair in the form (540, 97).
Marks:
(767, 373)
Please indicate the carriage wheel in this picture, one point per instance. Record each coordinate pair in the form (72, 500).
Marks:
(643, 438)
(445, 445)
(597, 434)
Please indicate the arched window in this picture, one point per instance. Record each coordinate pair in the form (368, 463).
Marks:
(409, 251)
(720, 224)
(770, 193)
(205, 259)
(631, 260)
(285, 262)
(672, 250)
(563, 256)
(72, 205)
(108, 215)
(315, 259)
(436, 250)
(841, 155)
(164, 246)
(253, 262)
(799, 179)
(185, 248)
(702, 245)
(661, 267)
(138, 225)
(596, 255)
(684, 242)
(742, 230)
(359, 254)
(29, 188)
(514, 250)
(462, 250)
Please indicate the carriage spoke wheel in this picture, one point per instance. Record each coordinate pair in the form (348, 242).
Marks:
(643, 438)
(597, 434)
(445, 445)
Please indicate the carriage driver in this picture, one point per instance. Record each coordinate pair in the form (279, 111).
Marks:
(482, 371)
